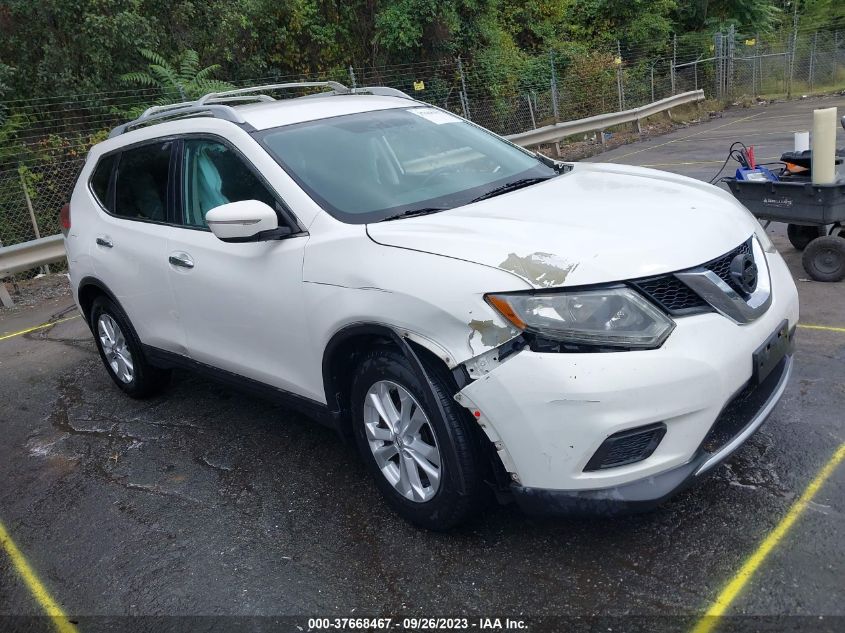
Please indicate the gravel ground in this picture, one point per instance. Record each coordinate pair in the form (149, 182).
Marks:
(31, 292)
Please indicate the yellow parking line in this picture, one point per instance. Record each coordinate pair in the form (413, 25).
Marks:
(38, 591)
(37, 327)
(723, 601)
(828, 328)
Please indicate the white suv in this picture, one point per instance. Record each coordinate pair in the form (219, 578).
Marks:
(579, 338)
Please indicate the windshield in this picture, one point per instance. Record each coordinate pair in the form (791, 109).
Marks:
(377, 165)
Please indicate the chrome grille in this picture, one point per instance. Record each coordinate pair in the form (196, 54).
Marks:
(676, 298)
(722, 265)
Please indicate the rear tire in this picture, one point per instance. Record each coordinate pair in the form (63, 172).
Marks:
(121, 351)
(441, 450)
(824, 258)
(800, 236)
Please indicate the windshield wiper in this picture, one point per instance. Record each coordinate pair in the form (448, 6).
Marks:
(559, 167)
(413, 212)
(510, 186)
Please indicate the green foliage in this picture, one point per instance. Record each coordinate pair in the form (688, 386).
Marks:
(752, 16)
(72, 47)
(643, 26)
(64, 47)
(180, 80)
(417, 26)
(6, 73)
(819, 13)
(10, 148)
(69, 59)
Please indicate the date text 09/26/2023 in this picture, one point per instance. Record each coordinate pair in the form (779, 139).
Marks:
(416, 624)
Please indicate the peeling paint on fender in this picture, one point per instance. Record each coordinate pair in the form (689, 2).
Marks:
(492, 335)
(543, 269)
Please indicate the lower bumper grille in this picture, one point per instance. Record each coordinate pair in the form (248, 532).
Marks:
(627, 447)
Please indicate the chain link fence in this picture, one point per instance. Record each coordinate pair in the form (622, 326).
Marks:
(44, 141)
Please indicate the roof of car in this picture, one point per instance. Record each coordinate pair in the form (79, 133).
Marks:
(268, 114)
(254, 108)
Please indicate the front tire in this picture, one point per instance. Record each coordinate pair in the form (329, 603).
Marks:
(121, 352)
(416, 455)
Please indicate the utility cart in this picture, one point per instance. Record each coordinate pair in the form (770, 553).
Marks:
(814, 213)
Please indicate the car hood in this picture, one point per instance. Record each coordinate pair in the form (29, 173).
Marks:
(597, 223)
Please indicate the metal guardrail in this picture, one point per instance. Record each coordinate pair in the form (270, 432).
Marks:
(26, 255)
(558, 131)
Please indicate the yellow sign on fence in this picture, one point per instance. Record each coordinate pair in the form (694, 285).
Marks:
(419, 85)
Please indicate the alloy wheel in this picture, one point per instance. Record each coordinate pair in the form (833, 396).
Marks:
(402, 441)
(115, 348)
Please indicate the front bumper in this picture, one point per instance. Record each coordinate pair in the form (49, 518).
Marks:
(745, 414)
(548, 413)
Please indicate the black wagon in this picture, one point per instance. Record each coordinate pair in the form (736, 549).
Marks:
(815, 215)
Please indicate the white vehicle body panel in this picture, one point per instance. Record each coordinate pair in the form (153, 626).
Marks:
(438, 300)
(241, 307)
(135, 265)
(595, 224)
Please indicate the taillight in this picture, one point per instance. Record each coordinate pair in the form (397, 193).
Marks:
(64, 218)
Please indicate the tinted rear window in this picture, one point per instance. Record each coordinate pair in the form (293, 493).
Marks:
(141, 185)
(100, 181)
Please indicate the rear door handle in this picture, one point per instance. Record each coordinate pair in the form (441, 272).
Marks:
(102, 241)
(182, 260)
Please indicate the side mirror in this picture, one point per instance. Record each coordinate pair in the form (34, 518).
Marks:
(245, 221)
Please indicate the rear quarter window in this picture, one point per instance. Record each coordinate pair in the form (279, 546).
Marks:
(100, 180)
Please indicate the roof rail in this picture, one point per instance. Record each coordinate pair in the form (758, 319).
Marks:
(338, 88)
(382, 91)
(214, 103)
(225, 112)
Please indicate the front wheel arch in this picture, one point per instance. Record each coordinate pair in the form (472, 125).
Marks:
(344, 351)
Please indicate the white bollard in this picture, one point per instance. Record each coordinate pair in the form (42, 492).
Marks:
(824, 146)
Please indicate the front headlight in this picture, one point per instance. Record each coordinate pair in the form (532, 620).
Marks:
(616, 317)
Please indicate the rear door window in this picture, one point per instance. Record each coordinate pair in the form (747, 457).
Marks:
(142, 181)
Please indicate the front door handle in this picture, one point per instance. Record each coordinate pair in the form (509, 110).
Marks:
(102, 241)
(183, 260)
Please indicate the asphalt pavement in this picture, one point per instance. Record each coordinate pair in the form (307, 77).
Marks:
(208, 502)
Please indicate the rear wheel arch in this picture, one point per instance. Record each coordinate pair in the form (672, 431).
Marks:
(89, 289)
(121, 350)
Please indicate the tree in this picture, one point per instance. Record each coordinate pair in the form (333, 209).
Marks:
(178, 81)
(751, 16)
(642, 26)
(821, 13)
